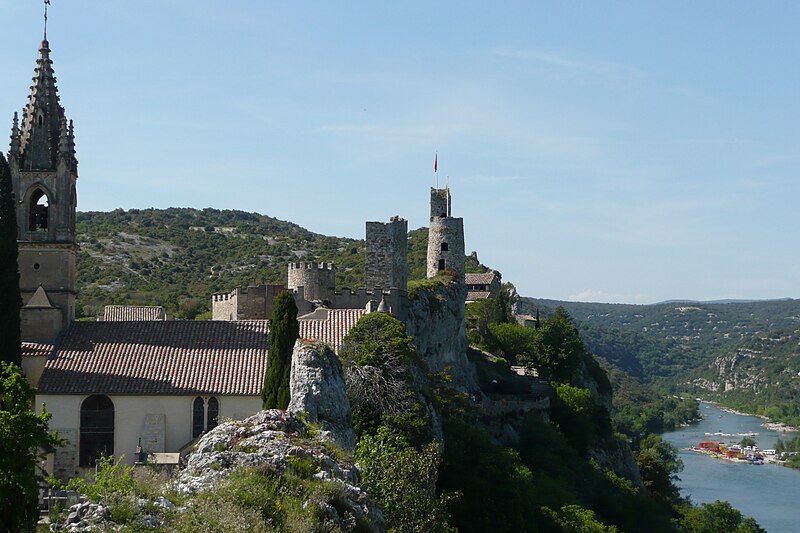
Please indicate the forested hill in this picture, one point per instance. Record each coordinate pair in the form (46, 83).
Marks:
(179, 257)
(746, 354)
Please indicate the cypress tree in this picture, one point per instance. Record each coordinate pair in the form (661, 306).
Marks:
(10, 300)
(283, 332)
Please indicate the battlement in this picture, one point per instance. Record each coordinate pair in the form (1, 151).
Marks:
(254, 302)
(311, 266)
(317, 279)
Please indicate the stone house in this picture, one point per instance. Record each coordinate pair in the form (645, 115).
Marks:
(483, 285)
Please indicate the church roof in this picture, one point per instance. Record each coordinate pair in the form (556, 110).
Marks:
(174, 357)
(158, 358)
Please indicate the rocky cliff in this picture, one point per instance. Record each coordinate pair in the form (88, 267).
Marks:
(436, 322)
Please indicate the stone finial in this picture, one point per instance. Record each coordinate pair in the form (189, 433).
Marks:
(15, 135)
(63, 139)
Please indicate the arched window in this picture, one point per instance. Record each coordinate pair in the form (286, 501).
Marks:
(213, 413)
(205, 415)
(97, 429)
(198, 417)
(38, 209)
(445, 247)
(441, 264)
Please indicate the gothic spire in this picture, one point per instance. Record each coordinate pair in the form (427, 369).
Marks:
(42, 119)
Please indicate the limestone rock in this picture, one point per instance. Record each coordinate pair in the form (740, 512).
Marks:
(274, 437)
(316, 387)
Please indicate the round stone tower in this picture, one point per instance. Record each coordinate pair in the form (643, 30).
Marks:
(318, 280)
(445, 237)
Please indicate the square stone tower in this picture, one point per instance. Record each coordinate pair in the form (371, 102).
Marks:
(387, 254)
(44, 173)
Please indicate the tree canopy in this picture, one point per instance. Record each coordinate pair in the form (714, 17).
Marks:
(10, 301)
(22, 433)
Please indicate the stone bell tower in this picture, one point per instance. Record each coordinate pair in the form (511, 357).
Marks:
(44, 172)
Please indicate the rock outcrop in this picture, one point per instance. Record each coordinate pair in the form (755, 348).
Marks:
(316, 388)
(275, 438)
(437, 324)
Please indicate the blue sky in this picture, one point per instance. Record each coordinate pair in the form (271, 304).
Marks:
(624, 152)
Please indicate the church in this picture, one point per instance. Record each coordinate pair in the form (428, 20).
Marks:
(135, 381)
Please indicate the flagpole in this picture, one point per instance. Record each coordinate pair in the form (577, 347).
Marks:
(436, 169)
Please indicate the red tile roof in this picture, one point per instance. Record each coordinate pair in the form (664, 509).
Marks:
(33, 349)
(477, 295)
(174, 357)
(485, 278)
(159, 358)
(332, 330)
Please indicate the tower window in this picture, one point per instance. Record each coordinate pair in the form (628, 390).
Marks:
(36, 267)
(445, 247)
(38, 211)
(441, 264)
(41, 120)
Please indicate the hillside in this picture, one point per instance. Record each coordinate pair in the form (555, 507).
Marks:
(745, 354)
(179, 257)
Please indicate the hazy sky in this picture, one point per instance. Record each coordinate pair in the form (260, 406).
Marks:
(604, 151)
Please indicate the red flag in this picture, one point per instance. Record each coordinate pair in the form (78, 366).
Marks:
(436, 163)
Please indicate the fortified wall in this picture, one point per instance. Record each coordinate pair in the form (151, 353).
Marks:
(255, 302)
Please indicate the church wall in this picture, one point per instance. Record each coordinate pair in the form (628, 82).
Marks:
(131, 423)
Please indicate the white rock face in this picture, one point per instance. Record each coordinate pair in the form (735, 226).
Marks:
(316, 387)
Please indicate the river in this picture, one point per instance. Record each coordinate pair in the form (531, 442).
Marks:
(769, 493)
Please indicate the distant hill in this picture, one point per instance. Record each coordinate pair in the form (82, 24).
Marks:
(746, 354)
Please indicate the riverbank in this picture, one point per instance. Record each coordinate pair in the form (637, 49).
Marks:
(768, 424)
(769, 493)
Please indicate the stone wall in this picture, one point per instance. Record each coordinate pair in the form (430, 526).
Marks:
(441, 203)
(446, 246)
(387, 254)
(255, 302)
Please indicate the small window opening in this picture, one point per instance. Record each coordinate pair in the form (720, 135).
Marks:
(445, 247)
(36, 267)
(441, 264)
(41, 120)
(38, 211)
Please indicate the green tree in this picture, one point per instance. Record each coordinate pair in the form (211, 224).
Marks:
(718, 517)
(659, 465)
(558, 350)
(402, 479)
(10, 301)
(283, 332)
(22, 433)
(379, 361)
